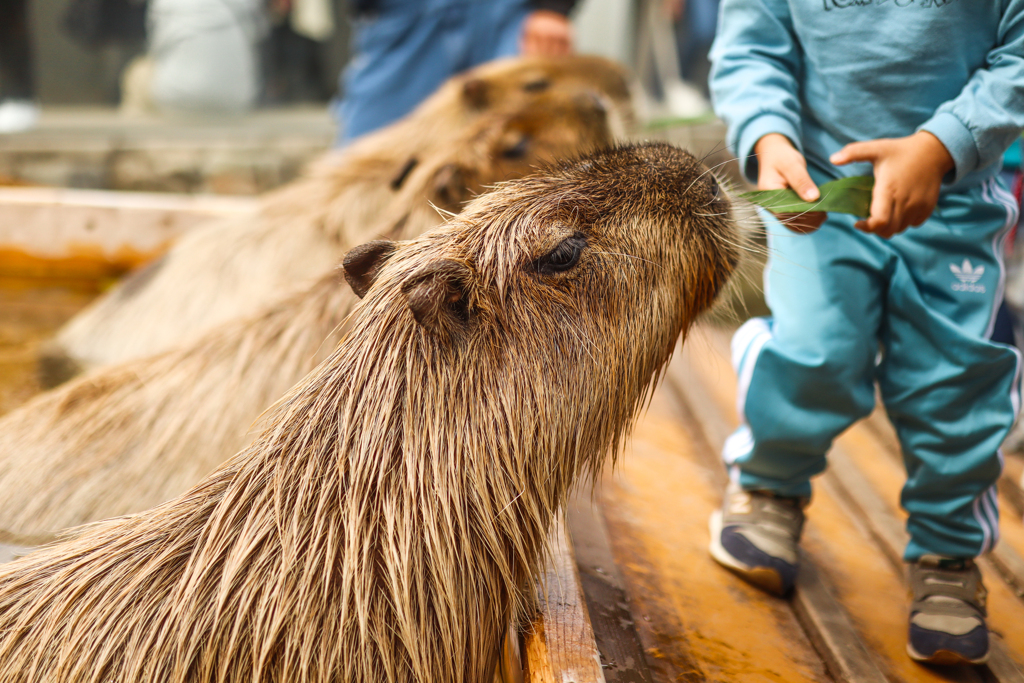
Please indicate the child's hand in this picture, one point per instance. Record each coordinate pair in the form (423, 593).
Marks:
(781, 166)
(908, 177)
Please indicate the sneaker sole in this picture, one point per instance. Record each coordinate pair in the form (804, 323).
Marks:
(764, 578)
(943, 657)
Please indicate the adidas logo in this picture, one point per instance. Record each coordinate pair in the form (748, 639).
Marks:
(968, 277)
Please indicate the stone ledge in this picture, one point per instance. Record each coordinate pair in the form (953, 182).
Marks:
(96, 148)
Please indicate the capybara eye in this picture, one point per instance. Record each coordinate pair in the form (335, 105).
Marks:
(713, 187)
(539, 85)
(563, 257)
(518, 150)
(403, 173)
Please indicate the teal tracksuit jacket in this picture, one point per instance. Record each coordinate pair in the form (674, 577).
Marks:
(850, 310)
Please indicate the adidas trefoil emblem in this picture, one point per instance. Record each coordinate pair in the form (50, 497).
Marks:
(968, 277)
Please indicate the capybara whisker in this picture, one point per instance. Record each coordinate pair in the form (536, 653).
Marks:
(710, 170)
(714, 150)
(631, 256)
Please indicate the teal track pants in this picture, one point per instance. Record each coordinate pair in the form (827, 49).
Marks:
(913, 314)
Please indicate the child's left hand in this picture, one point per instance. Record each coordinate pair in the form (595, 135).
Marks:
(908, 177)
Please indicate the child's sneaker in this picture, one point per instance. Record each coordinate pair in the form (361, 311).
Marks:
(755, 535)
(947, 617)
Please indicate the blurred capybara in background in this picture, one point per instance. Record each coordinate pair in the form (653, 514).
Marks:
(234, 267)
(129, 436)
(385, 523)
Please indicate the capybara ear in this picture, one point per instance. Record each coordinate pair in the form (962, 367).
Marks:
(451, 186)
(363, 264)
(438, 295)
(475, 92)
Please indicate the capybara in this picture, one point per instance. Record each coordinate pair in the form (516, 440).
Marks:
(129, 436)
(385, 522)
(235, 266)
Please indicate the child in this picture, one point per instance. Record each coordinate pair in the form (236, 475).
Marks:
(927, 94)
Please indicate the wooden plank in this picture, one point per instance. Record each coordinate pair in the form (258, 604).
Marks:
(559, 647)
(1011, 482)
(831, 629)
(1010, 566)
(823, 617)
(696, 621)
(1010, 491)
(622, 655)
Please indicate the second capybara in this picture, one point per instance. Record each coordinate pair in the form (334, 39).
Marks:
(233, 267)
(383, 526)
(129, 436)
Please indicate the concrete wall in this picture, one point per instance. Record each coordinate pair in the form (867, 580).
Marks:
(66, 73)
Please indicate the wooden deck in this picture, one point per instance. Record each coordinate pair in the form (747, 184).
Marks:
(847, 618)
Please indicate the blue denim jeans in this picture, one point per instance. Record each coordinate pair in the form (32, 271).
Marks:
(410, 47)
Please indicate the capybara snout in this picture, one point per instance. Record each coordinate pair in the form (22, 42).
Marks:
(613, 234)
(561, 294)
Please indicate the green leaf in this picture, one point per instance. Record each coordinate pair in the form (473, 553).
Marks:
(846, 195)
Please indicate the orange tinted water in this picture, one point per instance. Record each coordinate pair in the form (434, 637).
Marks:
(29, 315)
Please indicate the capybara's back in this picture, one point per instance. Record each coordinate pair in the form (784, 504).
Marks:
(233, 268)
(384, 524)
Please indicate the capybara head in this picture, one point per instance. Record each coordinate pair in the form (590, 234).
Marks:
(508, 144)
(512, 347)
(496, 146)
(567, 290)
(576, 104)
(507, 82)
(606, 235)
(504, 85)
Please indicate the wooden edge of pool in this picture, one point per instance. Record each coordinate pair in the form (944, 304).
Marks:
(90, 235)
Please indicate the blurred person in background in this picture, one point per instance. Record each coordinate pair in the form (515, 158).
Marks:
(114, 30)
(695, 22)
(18, 108)
(205, 54)
(298, 64)
(404, 50)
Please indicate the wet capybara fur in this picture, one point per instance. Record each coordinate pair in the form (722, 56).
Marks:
(383, 525)
(235, 266)
(129, 436)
